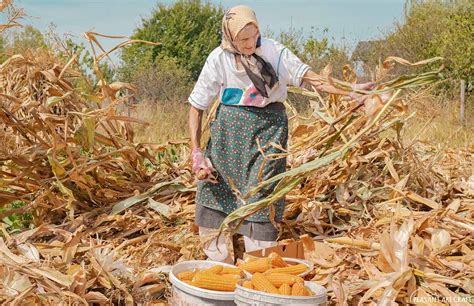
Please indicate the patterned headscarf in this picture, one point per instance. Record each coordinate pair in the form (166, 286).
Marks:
(261, 73)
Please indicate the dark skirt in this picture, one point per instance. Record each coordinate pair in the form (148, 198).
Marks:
(234, 152)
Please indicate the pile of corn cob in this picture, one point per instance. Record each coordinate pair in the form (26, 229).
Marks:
(219, 278)
(273, 275)
(278, 283)
(271, 264)
(270, 274)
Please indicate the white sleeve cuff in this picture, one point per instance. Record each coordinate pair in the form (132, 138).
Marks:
(300, 72)
(196, 104)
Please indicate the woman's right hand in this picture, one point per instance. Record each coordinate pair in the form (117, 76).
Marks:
(201, 167)
(363, 86)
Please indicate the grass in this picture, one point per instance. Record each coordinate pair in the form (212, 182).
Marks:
(166, 121)
(432, 123)
(441, 127)
(16, 222)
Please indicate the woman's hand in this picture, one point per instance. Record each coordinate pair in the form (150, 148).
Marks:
(358, 97)
(363, 86)
(314, 80)
(202, 167)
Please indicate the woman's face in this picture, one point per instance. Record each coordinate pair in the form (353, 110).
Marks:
(246, 39)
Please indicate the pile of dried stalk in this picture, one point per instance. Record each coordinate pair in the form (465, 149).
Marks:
(390, 220)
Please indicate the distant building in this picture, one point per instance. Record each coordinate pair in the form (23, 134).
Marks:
(366, 54)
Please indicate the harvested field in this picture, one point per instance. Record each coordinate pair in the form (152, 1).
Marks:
(386, 221)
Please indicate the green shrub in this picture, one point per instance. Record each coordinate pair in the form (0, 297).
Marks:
(317, 52)
(431, 28)
(164, 81)
(187, 32)
(20, 41)
(16, 222)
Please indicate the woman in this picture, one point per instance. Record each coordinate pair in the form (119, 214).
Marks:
(249, 74)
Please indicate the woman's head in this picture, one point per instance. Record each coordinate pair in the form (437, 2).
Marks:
(240, 30)
(246, 40)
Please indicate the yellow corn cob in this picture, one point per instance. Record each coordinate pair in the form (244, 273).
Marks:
(214, 269)
(247, 260)
(278, 279)
(277, 261)
(186, 275)
(235, 276)
(189, 282)
(296, 269)
(285, 289)
(247, 284)
(261, 283)
(259, 265)
(213, 281)
(308, 291)
(231, 270)
(298, 289)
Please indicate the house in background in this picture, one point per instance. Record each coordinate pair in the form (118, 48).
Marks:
(366, 56)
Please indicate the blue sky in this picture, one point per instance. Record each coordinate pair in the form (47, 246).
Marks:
(352, 20)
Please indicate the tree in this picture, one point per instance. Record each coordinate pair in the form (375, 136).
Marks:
(20, 41)
(29, 38)
(3, 55)
(315, 51)
(455, 42)
(187, 32)
(433, 28)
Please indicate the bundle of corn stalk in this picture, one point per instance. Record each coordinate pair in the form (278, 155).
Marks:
(394, 224)
(70, 160)
(396, 217)
(61, 153)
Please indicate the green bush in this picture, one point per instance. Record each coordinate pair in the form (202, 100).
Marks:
(431, 28)
(315, 51)
(3, 54)
(29, 38)
(187, 32)
(16, 222)
(164, 81)
(456, 44)
(20, 41)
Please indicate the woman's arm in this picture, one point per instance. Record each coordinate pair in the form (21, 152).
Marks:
(313, 79)
(195, 118)
(201, 167)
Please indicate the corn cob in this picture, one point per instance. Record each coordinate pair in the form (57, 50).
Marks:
(231, 270)
(247, 284)
(285, 289)
(261, 283)
(247, 260)
(277, 261)
(213, 281)
(214, 269)
(278, 279)
(298, 289)
(295, 270)
(259, 265)
(235, 276)
(189, 282)
(186, 275)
